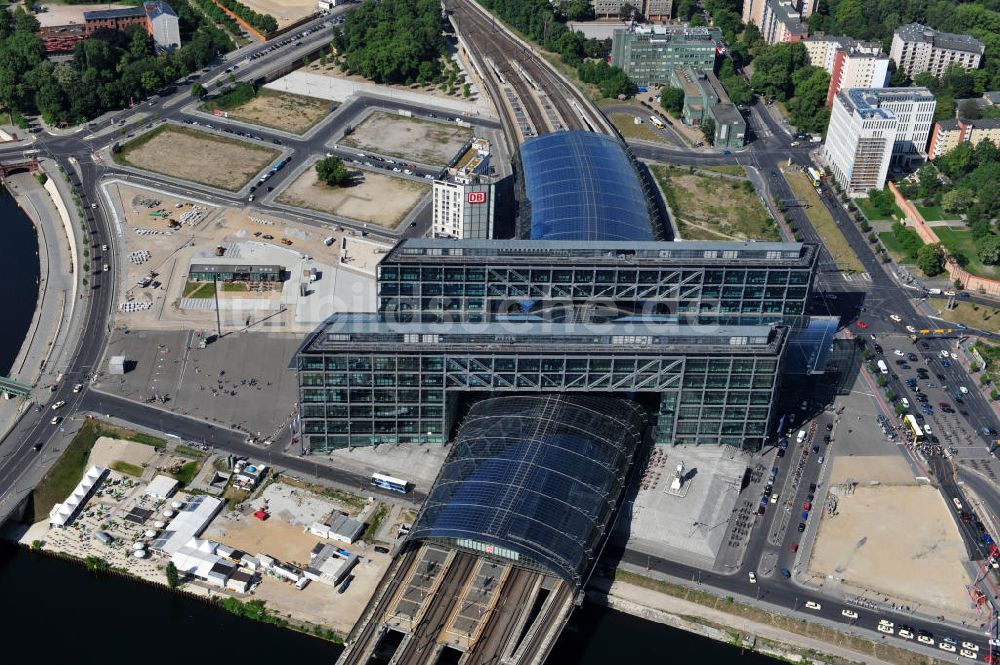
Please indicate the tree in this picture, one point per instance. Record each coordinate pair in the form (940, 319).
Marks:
(173, 579)
(672, 100)
(708, 130)
(989, 249)
(969, 110)
(625, 12)
(198, 90)
(930, 259)
(881, 200)
(957, 200)
(898, 79)
(332, 171)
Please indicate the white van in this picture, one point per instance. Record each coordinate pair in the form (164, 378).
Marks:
(801, 436)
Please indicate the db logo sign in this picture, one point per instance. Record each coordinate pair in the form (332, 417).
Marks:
(476, 197)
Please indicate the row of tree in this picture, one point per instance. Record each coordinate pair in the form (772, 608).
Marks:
(264, 23)
(108, 70)
(215, 13)
(393, 41)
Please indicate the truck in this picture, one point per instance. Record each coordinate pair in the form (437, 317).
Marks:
(656, 122)
(329, 241)
(882, 367)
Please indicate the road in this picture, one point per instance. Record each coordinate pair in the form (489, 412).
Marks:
(74, 150)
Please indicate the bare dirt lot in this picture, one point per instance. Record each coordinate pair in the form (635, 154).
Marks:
(274, 537)
(376, 199)
(896, 540)
(283, 110)
(424, 141)
(889, 469)
(201, 157)
(284, 11)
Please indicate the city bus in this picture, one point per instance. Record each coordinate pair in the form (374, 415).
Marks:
(389, 483)
(814, 176)
(914, 428)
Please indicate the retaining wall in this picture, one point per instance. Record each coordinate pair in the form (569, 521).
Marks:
(956, 272)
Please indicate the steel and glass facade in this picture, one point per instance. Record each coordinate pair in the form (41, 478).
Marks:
(583, 186)
(534, 479)
(364, 380)
(695, 282)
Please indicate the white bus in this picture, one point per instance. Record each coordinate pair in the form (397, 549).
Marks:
(389, 483)
(656, 122)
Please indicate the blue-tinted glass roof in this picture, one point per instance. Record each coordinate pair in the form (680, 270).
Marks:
(582, 186)
(537, 475)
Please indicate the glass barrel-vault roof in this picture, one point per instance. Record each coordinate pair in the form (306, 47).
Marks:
(582, 186)
(537, 476)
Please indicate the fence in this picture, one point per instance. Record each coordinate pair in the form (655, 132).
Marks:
(956, 272)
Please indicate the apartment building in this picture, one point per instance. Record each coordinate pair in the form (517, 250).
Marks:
(851, 64)
(949, 133)
(779, 20)
(649, 54)
(656, 10)
(917, 48)
(872, 128)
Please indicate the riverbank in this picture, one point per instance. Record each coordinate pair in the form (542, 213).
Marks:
(20, 264)
(39, 361)
(728, 621)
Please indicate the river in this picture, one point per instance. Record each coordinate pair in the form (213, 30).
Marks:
(64, 614)
(19, 275)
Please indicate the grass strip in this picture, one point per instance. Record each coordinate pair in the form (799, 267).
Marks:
(127, 468)
(821, 219)
(375, 522)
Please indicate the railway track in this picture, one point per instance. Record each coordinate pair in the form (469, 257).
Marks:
(543, 103)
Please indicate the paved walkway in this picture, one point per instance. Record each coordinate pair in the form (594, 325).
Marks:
(340, 90)
(652, 605)
(57, 320)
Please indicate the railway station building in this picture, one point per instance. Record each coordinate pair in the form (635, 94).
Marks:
(588, 301)
(516, 463)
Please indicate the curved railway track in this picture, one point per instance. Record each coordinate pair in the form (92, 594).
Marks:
(548, 103)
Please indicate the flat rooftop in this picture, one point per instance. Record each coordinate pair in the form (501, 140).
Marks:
(867, 102)
(637, 334)
(916, 32)
(416, 250)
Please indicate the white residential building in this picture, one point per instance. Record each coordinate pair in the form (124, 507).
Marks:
(917, 48)
(850, 64)
(779, 20)
(871, 128)
(163, 25)
(464, 198)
